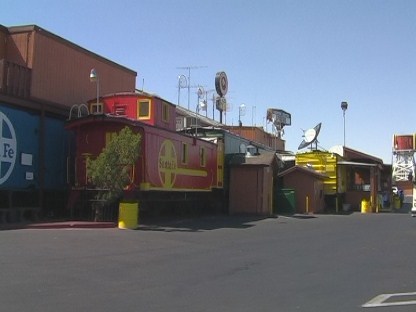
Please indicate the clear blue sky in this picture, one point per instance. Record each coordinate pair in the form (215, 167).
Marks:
(304, 57)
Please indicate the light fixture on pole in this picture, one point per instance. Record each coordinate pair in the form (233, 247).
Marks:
(202, 105)
(344, 106)
(94, 78)
(241, 112)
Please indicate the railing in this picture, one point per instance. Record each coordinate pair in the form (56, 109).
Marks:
(14, 79)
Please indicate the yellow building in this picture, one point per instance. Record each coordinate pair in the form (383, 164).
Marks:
(326, 163)
(351, 176)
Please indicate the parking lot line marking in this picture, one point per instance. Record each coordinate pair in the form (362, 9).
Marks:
(394, 300)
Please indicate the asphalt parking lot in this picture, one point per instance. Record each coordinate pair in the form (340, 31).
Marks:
(215, 263)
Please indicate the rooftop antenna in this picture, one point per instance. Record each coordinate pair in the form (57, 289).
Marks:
(189, 80)
(228, 109)
(206, 101)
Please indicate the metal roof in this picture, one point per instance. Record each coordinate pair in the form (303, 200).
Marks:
(303, 169)
(203, 119)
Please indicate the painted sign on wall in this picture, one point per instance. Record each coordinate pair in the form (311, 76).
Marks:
(8, 148)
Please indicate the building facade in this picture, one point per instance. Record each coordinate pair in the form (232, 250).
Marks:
(41, 77)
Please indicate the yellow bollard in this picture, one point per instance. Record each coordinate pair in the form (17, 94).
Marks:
(365, 206)
(128, 215)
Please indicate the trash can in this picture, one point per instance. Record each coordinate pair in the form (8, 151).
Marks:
(365, 206)
(396, 202)
(285, 201)
(128, 215)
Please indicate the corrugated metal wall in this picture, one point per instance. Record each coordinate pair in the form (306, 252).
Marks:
(322, 162)
(20, 49)
(61, 74)
(60, 69)
(256, 134)
(3, 40)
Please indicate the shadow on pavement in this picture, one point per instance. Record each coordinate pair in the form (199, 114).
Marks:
(196, 224)
(163, 223)
(404, 209)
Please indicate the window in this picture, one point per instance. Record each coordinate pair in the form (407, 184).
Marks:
(202, 157)
(96, 108)
(358, 179)
(184, 153)
(165, 112)
(143, 109)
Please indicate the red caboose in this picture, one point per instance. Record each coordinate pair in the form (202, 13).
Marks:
(172, 167)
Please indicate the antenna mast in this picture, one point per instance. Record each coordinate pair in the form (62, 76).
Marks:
(189, 80)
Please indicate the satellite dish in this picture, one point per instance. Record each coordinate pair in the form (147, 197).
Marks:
(310, 136)
(200, 92)
(182, 82)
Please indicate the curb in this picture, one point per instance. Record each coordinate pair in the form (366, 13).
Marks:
(59, 225)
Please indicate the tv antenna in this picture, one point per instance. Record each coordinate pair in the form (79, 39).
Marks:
(310, 137)
(188, 82)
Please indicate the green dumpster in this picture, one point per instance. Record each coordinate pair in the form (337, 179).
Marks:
(285, 201)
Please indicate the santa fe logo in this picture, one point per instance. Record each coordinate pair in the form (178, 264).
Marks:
(8, 146)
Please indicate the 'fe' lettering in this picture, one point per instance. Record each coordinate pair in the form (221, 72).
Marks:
(7, 151)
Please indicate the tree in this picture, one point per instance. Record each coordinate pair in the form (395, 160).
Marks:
(111, 170)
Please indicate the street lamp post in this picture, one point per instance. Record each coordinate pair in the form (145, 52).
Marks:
(344, 106)
(94, 78)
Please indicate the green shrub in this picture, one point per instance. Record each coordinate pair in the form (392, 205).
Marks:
(111, 170)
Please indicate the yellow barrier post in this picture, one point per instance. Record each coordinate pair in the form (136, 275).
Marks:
(128, 215)
(365, 206)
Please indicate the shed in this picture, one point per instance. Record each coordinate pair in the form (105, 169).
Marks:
(251, 184)
(309, 186)
(363, 177)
